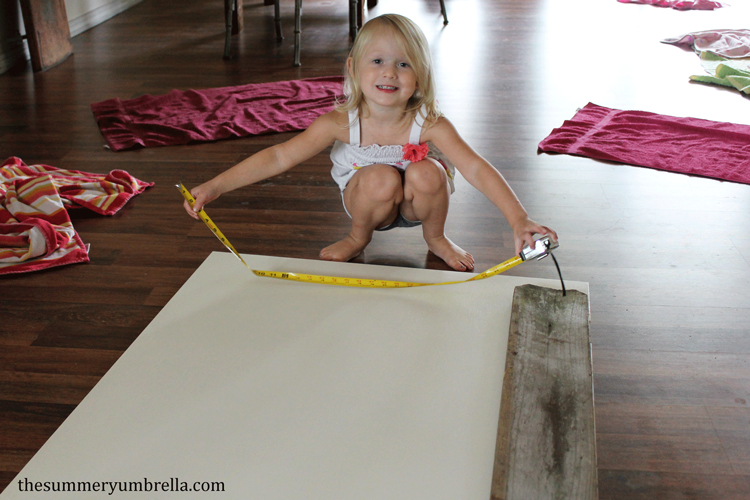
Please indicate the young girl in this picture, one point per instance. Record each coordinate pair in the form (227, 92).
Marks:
(408, 180)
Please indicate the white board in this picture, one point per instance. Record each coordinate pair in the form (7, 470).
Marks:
(284, 390)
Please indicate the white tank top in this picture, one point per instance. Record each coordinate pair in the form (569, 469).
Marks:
(348, 158)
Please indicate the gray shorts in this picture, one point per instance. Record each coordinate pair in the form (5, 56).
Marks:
(399, 221)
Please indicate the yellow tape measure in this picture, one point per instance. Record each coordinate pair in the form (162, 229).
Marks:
(205, 218)
(370, 283)
(542, 248)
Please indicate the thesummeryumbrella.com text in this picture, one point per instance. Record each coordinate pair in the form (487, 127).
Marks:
(110, 487)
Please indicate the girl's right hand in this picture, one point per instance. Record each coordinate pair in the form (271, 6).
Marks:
(202, 194)
(524, 231)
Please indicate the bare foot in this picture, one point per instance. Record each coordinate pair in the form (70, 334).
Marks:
(343, 250)
(453, 255)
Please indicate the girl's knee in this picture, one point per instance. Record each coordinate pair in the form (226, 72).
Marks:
(380, 182)
(426, 176)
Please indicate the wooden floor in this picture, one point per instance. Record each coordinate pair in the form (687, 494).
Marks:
(667, 256)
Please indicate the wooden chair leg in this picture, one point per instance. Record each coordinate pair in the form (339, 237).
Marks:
(238, 17)
(47, 32)
(444, 12)
(277, 20)
(297, 31)
(228, 14)
(354, 18)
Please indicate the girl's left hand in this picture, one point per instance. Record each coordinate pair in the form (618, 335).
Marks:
(524, 231)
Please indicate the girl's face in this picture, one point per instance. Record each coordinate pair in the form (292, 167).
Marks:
(385, 75)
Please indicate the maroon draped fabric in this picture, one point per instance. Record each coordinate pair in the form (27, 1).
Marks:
(686, 145)
(180, 117)
(680, 4)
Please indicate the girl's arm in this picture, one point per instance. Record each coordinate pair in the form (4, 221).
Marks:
(483, 176)
(270, 161)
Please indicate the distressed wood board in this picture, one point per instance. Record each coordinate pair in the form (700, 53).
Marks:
(282, 390)
(546, 441)
(47, 32)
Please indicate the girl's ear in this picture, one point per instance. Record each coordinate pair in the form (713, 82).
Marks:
(350, 66)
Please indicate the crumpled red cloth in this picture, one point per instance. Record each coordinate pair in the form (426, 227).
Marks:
(680, 4)
(694, 146)
(35, 228)
(181, 117)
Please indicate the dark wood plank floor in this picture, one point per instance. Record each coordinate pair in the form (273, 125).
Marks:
(667, 256)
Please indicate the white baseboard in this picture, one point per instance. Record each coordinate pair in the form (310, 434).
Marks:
(99, 15)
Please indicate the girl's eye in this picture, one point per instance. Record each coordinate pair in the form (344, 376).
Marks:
(404, 65)
(377, 61)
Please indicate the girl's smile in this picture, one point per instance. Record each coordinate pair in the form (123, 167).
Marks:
(386, 88)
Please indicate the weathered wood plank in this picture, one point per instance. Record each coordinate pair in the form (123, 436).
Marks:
(47, 32)
(546, 444)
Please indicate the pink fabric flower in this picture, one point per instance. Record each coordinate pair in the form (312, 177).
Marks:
(415, 152)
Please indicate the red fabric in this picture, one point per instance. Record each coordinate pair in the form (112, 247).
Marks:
(35, 229)
(686, 145)
(180, 117)
(17, 244)
(105, 194)
(680, 4)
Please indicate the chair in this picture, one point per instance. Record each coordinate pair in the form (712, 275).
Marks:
(372, 3)
(234, 22)
(233, 12)
(443, 12)
(356, 19)
(356, 16)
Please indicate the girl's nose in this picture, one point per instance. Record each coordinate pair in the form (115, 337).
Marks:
(389, 71)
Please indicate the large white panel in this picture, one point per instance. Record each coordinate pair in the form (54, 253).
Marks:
(286, 390)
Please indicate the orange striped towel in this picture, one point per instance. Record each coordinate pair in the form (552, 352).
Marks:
(104, 194)
(35, 229)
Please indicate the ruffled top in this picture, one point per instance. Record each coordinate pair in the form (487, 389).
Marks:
(348, 158)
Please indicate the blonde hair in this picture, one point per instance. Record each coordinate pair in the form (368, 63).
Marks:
(413, 43)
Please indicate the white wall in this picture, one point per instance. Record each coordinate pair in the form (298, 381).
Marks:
(85, 14)
(82, 15)
(77, 8)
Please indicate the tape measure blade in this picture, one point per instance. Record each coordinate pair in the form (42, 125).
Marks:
(500, 268)
(202, 215)
(335, 280)
(338, 280)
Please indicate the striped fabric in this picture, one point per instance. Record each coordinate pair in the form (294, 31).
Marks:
(35, 229)
(104, 194)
